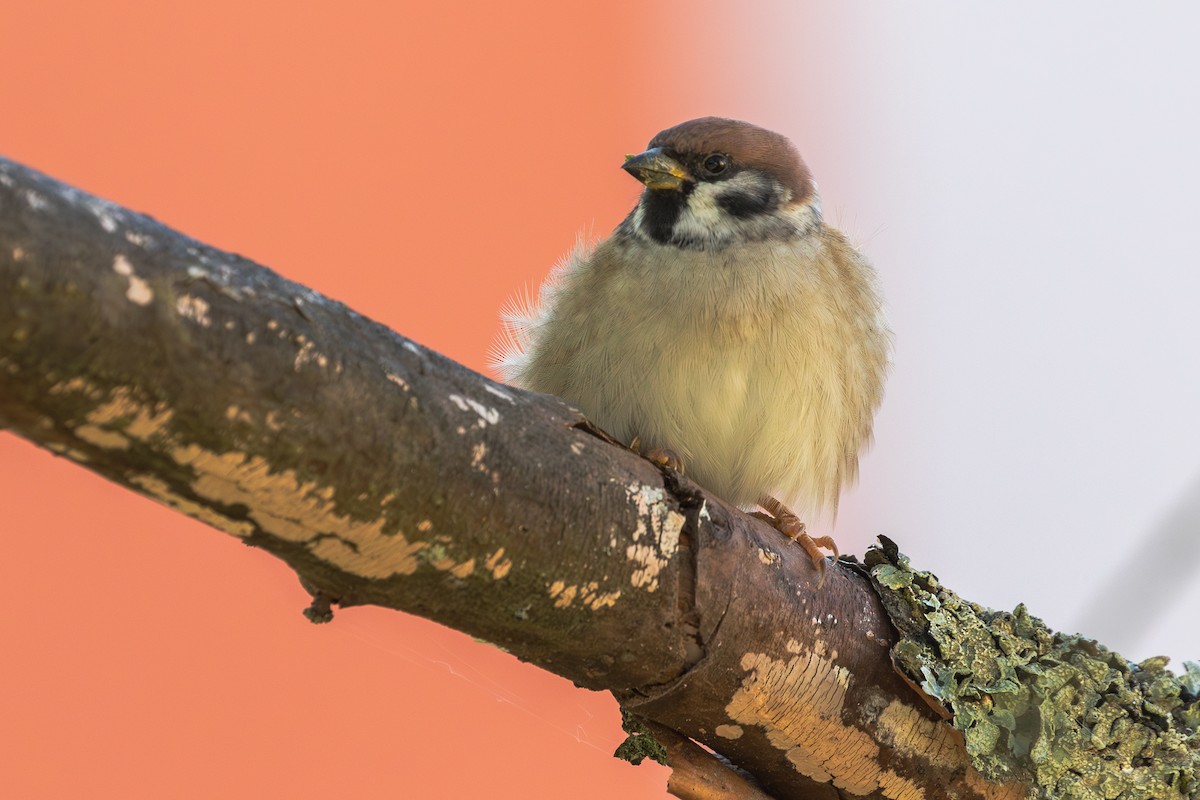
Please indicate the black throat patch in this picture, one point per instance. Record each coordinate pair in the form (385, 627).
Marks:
(661, 209)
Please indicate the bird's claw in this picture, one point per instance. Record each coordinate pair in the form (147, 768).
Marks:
(662, 456)
(791, 526)
(666, 457)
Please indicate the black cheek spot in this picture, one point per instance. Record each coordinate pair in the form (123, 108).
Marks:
(746, 204)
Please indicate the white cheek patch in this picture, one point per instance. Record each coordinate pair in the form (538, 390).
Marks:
(702, 217)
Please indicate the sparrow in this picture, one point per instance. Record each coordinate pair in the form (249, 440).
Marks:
(723, 326)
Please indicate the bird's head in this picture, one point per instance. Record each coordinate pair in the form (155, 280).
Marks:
(714, 182)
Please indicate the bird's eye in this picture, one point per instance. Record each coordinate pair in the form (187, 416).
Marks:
(716, 163)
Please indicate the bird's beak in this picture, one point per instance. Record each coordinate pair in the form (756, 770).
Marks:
(656, 169)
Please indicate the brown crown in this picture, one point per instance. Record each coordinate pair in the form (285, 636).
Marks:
(748, 145)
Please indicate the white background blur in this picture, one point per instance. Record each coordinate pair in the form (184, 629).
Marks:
(1026, 178)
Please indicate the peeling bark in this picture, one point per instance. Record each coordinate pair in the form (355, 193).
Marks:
(384, 473)
(697, 774)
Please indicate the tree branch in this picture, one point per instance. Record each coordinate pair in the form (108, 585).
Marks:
(386, 474)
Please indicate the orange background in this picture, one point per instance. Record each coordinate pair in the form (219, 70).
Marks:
(420, 162)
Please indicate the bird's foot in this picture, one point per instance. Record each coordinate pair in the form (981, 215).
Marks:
(781, 518)
(662, 456)
(665, 457)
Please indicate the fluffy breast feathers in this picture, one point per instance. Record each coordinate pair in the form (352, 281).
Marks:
(760, 365)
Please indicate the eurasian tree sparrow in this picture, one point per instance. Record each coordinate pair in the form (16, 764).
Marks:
(722, 321)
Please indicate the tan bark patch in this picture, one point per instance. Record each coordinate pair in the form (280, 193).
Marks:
(109, 440)
(498, 564)
(659, 526)
(914, 734)
(284, 506)
(159, 490)
(193, 308)
(798, 703)
(139, 291)
(138, 420)
(589, 595)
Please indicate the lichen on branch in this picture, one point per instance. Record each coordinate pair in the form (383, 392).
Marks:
(1059, 712)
